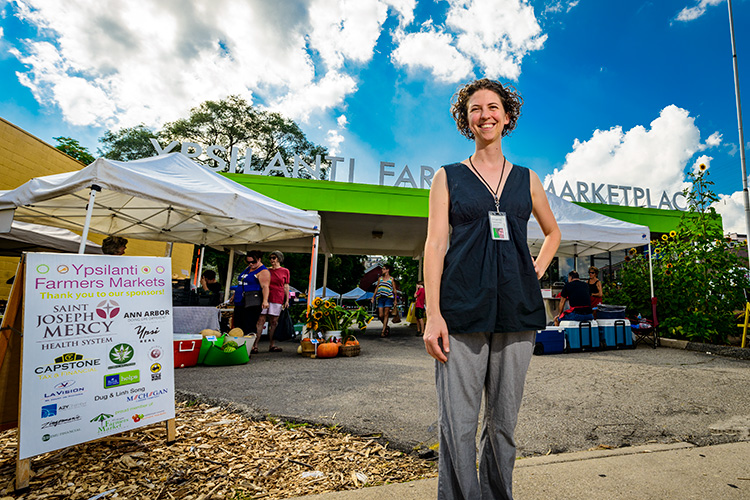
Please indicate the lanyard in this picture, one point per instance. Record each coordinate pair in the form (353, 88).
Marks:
(495, 192)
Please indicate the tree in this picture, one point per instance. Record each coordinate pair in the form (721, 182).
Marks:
(233, 122)
(128, 144)
(73, 148)
(697, 276)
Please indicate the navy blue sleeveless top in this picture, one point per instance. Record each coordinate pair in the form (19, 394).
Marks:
(489, 285)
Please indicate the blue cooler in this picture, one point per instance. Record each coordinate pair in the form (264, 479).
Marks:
(615, 333)
(581, 335)
(550, 340)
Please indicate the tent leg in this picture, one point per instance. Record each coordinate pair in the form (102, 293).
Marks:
(313, 271)
(199, 271)
(87, 223)
(230, 268)
(325, 274)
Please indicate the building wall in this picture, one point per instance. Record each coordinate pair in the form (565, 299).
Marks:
(23, 157)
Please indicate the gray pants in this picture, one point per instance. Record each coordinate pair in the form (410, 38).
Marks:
(494, 364)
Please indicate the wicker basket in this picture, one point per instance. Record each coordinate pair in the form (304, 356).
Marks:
(349, 350)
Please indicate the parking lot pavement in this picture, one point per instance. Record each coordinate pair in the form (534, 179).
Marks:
(572, 402)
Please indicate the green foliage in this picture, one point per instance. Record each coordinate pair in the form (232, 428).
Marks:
(405, 271)
(698, 279)
(128, 144)
(234, 122)
(73, 148)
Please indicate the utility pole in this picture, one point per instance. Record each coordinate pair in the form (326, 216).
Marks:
(742, 137)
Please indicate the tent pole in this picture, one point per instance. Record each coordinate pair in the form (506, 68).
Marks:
(168, 249)
(650, 270)
(313, 271)
(199, 271)
(230, 268)
(325, 274)
(87, 223)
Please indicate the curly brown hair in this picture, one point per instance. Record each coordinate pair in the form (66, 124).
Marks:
(509, 96)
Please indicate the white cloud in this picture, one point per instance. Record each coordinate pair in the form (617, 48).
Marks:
(732, 210)
(334, 140)
(432, 50)
(342, 121)
(692, 13)
(653, 158)
(713, 140)
(118, 64)
(494, 35)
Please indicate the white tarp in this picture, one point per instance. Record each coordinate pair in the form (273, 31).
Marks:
(25, 237)
(164, 198)
(585, 232)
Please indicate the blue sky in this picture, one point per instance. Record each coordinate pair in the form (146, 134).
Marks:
(629, 93)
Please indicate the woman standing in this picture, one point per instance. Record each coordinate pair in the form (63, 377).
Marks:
(278, 299)
(385, 295)
(483, 298)
(251, 294)
(595, 287)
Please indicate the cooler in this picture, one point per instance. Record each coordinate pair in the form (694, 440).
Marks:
(581, 335)
(615, 333)
(187, 347)
(551, 340)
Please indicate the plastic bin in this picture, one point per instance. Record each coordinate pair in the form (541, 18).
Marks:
(187, 348)
(615, 333)
(217, 357)
(582, 335)
(551, 340)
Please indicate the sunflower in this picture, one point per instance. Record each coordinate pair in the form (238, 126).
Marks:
(664, 237)
(668, 272)
(318, 315)
(669, 265)
(633, 251)
(657, 250)
(702, 166)
(327, 305)
(317, 302)
(672, 234)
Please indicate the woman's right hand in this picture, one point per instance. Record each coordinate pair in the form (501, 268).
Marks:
(435, 337)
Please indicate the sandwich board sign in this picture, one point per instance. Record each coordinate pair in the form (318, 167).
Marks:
(96, 351)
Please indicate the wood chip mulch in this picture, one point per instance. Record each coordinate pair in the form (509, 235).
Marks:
(217, 455)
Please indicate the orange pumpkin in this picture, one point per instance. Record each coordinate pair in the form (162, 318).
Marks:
(352, 342)
(328, 350)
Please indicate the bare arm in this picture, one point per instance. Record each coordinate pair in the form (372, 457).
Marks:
(264, 278)
(436, 331)
(546, 219)
(286, 295)
(599, 291)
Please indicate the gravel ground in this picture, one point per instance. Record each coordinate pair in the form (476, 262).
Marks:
(572, 401)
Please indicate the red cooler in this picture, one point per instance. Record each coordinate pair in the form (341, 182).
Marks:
(187, 347)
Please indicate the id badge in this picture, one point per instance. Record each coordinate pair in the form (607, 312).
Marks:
(499, 226)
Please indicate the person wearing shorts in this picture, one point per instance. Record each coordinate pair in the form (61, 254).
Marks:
(278, 299)
(419, 307)
(385, 298)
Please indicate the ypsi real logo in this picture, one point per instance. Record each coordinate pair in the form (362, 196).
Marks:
(122, 378)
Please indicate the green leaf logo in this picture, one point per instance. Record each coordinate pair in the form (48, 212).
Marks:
(121, 354)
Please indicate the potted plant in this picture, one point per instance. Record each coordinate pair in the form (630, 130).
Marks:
(325, 316)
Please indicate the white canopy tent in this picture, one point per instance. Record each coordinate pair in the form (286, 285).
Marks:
(585, 232)
(164, 198)
(25, 237)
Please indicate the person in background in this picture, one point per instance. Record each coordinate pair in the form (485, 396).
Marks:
(483, 299)
(210, 288)
(251, 294)
(385, 297)
(114, 245)
(579, 300)
(419, 307)
(595, 287)
(278, 299)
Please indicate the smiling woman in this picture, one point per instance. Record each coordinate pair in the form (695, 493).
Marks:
(483, 299)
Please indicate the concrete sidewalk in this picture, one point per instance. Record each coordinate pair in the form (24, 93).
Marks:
(659, 472)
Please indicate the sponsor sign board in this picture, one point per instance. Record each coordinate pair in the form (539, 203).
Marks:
(94, 328)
